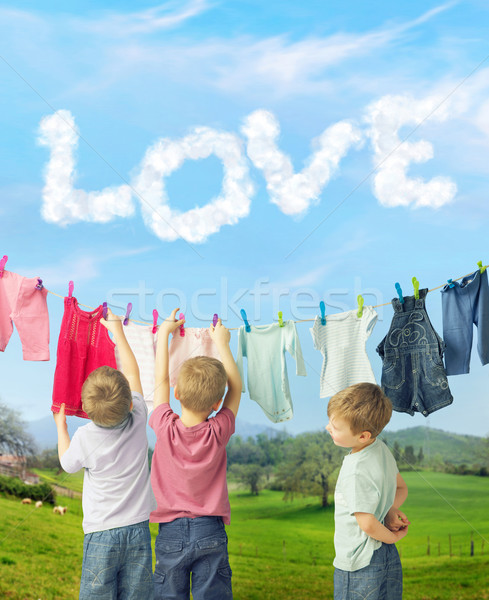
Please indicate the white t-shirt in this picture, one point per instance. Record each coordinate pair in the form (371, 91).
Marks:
(367, 483)
(116, 486)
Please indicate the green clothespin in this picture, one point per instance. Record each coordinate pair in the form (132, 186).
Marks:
(416, 288)
(360, 301)
(280, 319)
(481, 268)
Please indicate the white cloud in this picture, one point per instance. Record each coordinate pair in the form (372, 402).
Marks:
(393, 156)
(197, 224)
(294, 192)
(156, 18)
(62, 203)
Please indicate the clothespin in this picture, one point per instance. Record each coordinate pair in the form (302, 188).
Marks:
(280, 319)
(416, 288)
(128, 312)
(39, 284)
(322, 308)
(399, 292)
(104, 310)
(450, 284)
(479, 264)
(360, 301)
(245, 319)
(71, 287)
(215, 319)
(3, 262)
(182, 328)
(155, 320)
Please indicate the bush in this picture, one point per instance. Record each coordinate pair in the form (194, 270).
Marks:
(15, 487)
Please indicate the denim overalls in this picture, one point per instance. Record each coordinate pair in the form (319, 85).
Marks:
(413, 375)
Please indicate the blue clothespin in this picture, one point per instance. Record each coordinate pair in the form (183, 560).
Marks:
(450, 284)
(215, 319)
(39, 284)
(360, 301)
(245, 319)
(416, 288)
(280, 319)
(104, 310)
(322, 308)
(128, 312)
(399, 292)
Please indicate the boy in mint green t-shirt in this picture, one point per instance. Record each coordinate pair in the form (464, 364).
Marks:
(368, 495)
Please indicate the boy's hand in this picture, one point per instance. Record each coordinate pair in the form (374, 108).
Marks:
(60, 418)
(396, 520)
(113, 322)
(401, 533)
(220, 334)
(170, 324)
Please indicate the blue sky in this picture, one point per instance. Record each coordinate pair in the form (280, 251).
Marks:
(226, 155)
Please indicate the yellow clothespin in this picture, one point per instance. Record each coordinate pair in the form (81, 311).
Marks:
(280, 319)
(360, 301)
(481, 268)
(416, 288)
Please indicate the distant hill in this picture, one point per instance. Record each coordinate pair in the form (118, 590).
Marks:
(45, 435)
(453, 447)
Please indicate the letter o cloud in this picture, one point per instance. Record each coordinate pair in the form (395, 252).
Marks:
(196, 224)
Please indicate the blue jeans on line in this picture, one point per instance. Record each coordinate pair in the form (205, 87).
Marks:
(192, 547)
(117, 564)
(380, 580)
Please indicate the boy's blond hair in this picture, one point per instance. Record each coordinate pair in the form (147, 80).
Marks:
(364, 406)
(106, 396)
(201, 383)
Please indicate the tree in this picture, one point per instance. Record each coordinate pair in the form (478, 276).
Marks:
(409, 456)
(14, 438)
(249, 475)
(310, 466)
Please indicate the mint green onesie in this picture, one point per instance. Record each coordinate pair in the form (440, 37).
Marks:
(268, 384)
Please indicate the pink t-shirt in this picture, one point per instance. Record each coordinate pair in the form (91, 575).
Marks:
(188, 472)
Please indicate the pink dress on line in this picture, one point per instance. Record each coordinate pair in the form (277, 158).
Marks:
(83, 346)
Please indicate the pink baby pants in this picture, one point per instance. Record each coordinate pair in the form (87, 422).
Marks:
(83, 346)
(23, 304)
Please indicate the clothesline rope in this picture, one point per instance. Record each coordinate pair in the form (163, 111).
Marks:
(298, 321)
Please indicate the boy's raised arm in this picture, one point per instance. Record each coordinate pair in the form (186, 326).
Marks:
(129, 366)
(62, 427)
(162, 375)
(221, 337)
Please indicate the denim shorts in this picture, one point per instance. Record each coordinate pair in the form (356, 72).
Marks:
(464, 305)
(192, 547)
(413, 375)
(381, 580)
(117, 564)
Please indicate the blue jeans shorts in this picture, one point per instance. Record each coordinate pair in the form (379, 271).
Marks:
(413, 375)
(117, 564)
(464, 305)
(192, 547)
(381, 580)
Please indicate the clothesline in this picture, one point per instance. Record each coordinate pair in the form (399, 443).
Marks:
(298, 321)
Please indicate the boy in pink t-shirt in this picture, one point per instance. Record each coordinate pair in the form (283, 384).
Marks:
(188, 471)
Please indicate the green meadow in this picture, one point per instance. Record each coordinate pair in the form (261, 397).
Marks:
(277, 549)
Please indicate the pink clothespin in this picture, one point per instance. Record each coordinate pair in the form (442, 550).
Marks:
(71, 287)
(182, 328)
(155, 320)
(215, 319)
(128, 312)
(3, 262)
(104, 310)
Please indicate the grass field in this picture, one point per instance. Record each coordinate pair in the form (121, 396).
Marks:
(277, 550)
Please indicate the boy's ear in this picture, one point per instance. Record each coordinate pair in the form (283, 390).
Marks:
(175, 393)
(365, 436)
(216, 405)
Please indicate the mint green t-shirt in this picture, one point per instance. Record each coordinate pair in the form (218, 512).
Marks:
(367, 483)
